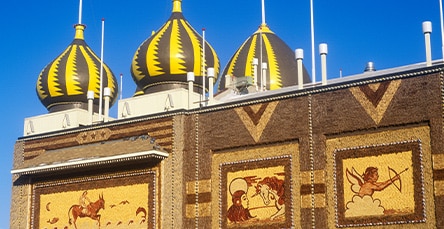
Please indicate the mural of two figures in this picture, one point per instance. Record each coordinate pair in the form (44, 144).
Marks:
(256, 195)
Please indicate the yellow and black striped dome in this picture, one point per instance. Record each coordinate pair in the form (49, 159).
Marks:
(64, 83)
(162, 61)
(281, 63)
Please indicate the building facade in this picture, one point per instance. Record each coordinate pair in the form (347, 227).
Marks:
(268, 149)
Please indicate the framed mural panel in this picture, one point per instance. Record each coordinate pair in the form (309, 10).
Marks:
(379, 184)
(381, 177)
(256, 192)
(121, 200)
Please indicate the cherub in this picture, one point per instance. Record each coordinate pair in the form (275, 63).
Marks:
(367, 183)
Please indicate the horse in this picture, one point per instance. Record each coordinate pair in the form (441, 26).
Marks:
(93, 209)
(272, 188)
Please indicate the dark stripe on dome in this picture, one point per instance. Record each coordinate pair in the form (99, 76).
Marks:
(164, 52)
(240, 64)
(188, 49)
(287, 62)
(82, 71)
(140, 59)
(62, 72)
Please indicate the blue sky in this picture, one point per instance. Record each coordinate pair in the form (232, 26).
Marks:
(389, 33)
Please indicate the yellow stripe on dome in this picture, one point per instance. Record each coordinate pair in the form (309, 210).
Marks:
(233, 62)
(177, 6)
(93, 72)
(108, 74)
(216, 63)
(40, 90)
(134, 66)
(53, 85)
(152, 55)
(176, 51)
(250, 56)
(71, 75)
(110, 80)
(197, 49)
(275, 75)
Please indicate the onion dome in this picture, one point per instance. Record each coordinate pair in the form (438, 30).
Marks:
(63, 84)
(281, 63)
(163, 60)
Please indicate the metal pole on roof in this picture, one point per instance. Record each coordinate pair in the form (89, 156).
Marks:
(80, 12)
(101, 72)
(442, 28)
(203, 65)
(313, 67)
(263, 12)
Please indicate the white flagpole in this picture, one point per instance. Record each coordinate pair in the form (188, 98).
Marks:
(101, 70)
(203, 65)
(80, 12)
(313, 68)
(263, 82)
(260, 59)
(442, 28)
(263, 12)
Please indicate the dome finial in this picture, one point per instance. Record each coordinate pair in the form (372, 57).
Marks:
(79, 26)
(79, 31)
(177, 6)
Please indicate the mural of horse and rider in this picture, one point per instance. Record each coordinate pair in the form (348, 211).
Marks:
(254, 198)
(115, 207)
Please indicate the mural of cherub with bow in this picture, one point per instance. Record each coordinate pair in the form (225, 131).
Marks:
(364, 186)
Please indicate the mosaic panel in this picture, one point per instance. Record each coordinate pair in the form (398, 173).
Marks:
(256, 192)
(379, 184)
(124, 200)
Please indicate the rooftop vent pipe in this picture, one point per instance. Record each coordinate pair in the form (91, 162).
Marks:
(210, 73)
(190, 79)
(370, 67)
(427, 30)
(299, 57)
(90, 97)
(106, 94)
(323, 50)
(264, 76)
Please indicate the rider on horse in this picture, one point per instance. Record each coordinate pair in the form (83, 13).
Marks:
(84, 202)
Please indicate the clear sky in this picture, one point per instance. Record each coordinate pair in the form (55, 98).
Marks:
(389, 33)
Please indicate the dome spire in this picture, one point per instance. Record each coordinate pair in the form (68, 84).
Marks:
(79, 27)
(80, 12)
(177, 6)
(263, 13)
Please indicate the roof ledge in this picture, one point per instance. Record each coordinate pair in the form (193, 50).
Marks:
(90, 162)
